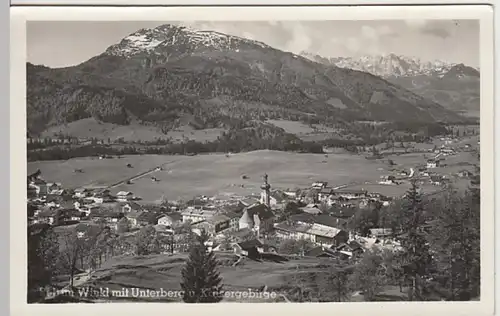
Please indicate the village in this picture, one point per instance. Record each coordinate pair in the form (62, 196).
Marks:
(318, 214)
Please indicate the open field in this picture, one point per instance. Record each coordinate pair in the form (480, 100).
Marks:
(184, 177)
(188, 176)
(308, 133)
(91, 128)
(157, 272)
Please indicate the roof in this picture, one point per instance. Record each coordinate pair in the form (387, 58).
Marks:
(81, 189)
(234, 208)
(278, 195)
(123, 193)
(312, 229)
(133, 205)
(349, 191)
(148, 217)
(47, 213)
(133, 214)
(250, 201)
(232, 215)
(174, 216)
(219, 218)
(105, 213)
(250, 244)
(326, 191)
(319, 251)
(337, 212)
(380, 231)
(261, 210)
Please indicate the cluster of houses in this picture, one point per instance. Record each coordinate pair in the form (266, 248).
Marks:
(259, 217)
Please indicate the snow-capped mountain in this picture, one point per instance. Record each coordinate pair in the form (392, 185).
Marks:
(387, 65)
(158, 39)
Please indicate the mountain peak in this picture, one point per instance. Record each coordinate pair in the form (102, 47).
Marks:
(170, 36)
(387, 65)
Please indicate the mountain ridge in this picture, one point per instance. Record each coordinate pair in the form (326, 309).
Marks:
(164, 74)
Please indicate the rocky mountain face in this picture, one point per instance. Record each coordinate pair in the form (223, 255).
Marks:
(171, 75)
(455, 86)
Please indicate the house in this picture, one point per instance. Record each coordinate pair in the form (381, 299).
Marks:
(311, 209)
(349, 194)
(87, 209)
(276, 197)
(252, 248)
(126, 207)
(431, 163)
(81, 193)
(49, 216)
(170, 219)
(132, 217)
(124, 196)
(320, 252)
(70, 215)
(196, 214)
(39, 186)
(53, 188)
(108, 217)
(316, 233)
(436, 180)
(258, 217)
(324, 194)
(319, 185)
(234, 220)
(380, 232)
(465, 174)
(146, 218)
(218, 223)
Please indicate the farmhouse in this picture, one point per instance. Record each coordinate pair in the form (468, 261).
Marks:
(234, 220)
(432, 163)
(126, 207)
(124, 196)
(81, 193)
(316, 233)
(319, 185)
(213, 225)
(196, 214)
(349, 194)
(170, 219)
(380, 232)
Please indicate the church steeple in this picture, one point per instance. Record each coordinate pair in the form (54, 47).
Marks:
(265, 196)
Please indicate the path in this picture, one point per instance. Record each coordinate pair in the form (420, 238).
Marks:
(138, 176)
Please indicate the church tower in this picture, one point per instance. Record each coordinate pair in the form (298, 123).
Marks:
(265, 195)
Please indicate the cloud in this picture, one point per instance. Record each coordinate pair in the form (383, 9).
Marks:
(440, 28)
(300, 39)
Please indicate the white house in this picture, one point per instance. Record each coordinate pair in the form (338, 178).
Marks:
(124, 196)
(196, 214)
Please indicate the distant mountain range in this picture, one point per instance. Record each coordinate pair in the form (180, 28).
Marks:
(171, 76)
(455, 86)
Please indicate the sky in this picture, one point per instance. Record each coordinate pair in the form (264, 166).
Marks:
(67, 43)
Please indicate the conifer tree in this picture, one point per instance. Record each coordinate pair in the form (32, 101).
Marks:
(201, 282)
(416, 257)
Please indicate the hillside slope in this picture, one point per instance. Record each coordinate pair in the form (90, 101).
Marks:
(170, 76)
(455, 86)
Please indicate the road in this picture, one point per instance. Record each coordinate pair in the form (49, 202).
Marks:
(138, 176)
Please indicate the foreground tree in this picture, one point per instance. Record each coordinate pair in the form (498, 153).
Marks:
(370, 275)
(415, 259)
(201, 281)
(43, 250)
(456, 244)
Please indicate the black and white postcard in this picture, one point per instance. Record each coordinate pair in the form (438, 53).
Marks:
(318, 155)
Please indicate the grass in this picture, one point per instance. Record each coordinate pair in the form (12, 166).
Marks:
(91, 128)
(158, 272)
(306, 132)
(185, 177)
